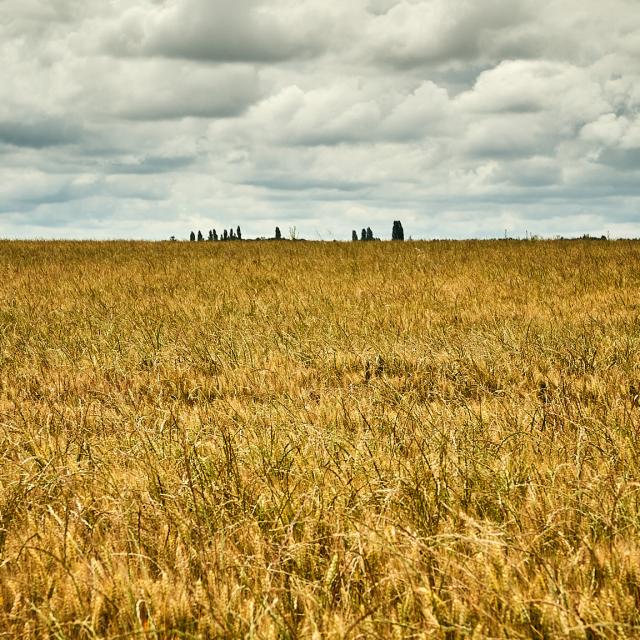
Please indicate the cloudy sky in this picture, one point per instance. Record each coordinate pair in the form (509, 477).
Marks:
(462, 118)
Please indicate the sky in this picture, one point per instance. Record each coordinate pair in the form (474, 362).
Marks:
(461, 118)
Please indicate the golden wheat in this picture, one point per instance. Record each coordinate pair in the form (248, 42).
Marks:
(322, 440)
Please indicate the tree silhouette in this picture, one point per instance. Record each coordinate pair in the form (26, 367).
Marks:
(363, 235)
(192, 237)
(398, 231)
(278, 234)
(210, 238)
(354, 235)
(200, 238)
(239, 233)
(215, 235)
(231, 236)
(369, 234)
(225, 235)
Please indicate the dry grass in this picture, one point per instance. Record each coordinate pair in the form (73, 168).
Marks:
(283, 440)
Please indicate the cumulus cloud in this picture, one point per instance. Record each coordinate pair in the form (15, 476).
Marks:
(348, 111)
(149, 118)
(151, 90)
(213, 30)
(450, 31)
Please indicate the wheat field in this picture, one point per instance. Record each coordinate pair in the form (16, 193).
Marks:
(320, 440)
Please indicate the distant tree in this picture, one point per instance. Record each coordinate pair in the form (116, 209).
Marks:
(200, 237)
(369, 234)
(363, 235)
(278, 234)
(231, 235)
(215, 235)
(210, 238)
(239, 233)
(172, 238)
(398, 231)
(354, 235)
(192, 237)
(225, 235)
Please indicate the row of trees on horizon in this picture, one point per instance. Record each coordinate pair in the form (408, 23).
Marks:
(214, 237)
(367, 234)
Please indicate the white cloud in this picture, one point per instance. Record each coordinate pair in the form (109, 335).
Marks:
(444, 31)
(608, 130)
(348, 111)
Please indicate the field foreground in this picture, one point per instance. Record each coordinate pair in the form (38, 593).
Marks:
(320, 440)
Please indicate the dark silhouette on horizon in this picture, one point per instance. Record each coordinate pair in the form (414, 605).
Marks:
(366, 234)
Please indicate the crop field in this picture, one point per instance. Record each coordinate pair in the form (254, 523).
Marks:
(320, 440)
